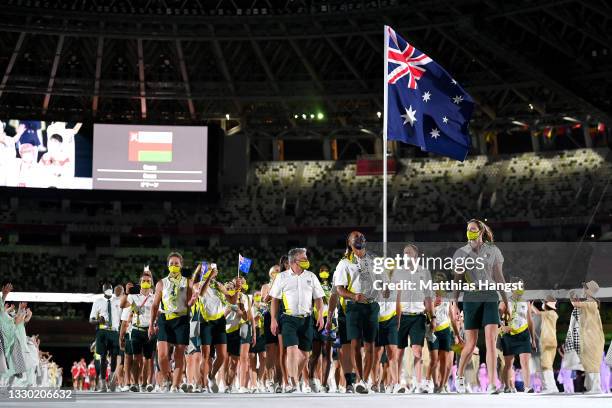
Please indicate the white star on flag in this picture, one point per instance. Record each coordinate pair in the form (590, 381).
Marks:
(454, 82)
(426, 96)
(445, 119)
(434, 133)
(409, 116)
(458, 99)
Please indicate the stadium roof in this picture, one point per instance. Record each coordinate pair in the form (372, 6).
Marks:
(272, 63)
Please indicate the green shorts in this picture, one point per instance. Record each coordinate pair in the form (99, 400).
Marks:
(362, 321)
(387, 332)
(514, 345)
(384, 358)
(107, 341)
(234, 341)
(270, 338)
(138, 343)
(413, 327)
(212, 332)
(480, 309)
(297, 331)
(260, 344)
(444, 340)
(341, 334)
(173, 331)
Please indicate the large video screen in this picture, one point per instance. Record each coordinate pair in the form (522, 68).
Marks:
(158, 158)
(45, 154)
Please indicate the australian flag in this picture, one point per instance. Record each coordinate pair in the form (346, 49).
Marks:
(424, 105)
(244, 264)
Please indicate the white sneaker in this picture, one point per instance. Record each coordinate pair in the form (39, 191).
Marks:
(125, 388)
(492, 389)
(361, 387)
(278, 389)
(185, 387)
(157, 389)
(460, 385)
(315, 386)
(243, 390)
(134, 388)
(445, 389)
(399, 389)
(289, 389)
(173, 389)
(305, 388)
(197, 389)
(212, 384)
(190, 387)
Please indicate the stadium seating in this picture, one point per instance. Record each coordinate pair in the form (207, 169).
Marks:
(550, 188)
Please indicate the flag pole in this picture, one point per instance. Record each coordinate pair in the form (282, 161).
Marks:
(385, 73)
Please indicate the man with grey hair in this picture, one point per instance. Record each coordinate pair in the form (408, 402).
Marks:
(297, 287)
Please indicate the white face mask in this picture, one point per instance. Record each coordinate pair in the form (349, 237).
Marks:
(108, 292)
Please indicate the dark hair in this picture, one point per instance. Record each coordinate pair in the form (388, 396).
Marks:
(283, 260)
(57, 137)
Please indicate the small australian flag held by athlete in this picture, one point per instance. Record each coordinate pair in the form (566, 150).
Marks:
(244, 264)
(424, 105)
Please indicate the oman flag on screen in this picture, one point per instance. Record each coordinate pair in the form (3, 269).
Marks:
(150, 147)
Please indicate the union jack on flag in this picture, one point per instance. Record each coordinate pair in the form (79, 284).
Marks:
(424, 105)
(406, 61)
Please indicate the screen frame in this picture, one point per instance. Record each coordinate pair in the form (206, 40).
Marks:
(213, 171)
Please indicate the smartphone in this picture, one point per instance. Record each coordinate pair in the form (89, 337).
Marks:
(134, 290)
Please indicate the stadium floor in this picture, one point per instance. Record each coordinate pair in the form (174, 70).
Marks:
(330, 400)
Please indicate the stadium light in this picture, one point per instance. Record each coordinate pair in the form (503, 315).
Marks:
(227, 116)
(530, 106)
(379, 114)
(304, 116)
(519, 123)
(320, 116)
(570, 119)
(312, 116)
(296, 116)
